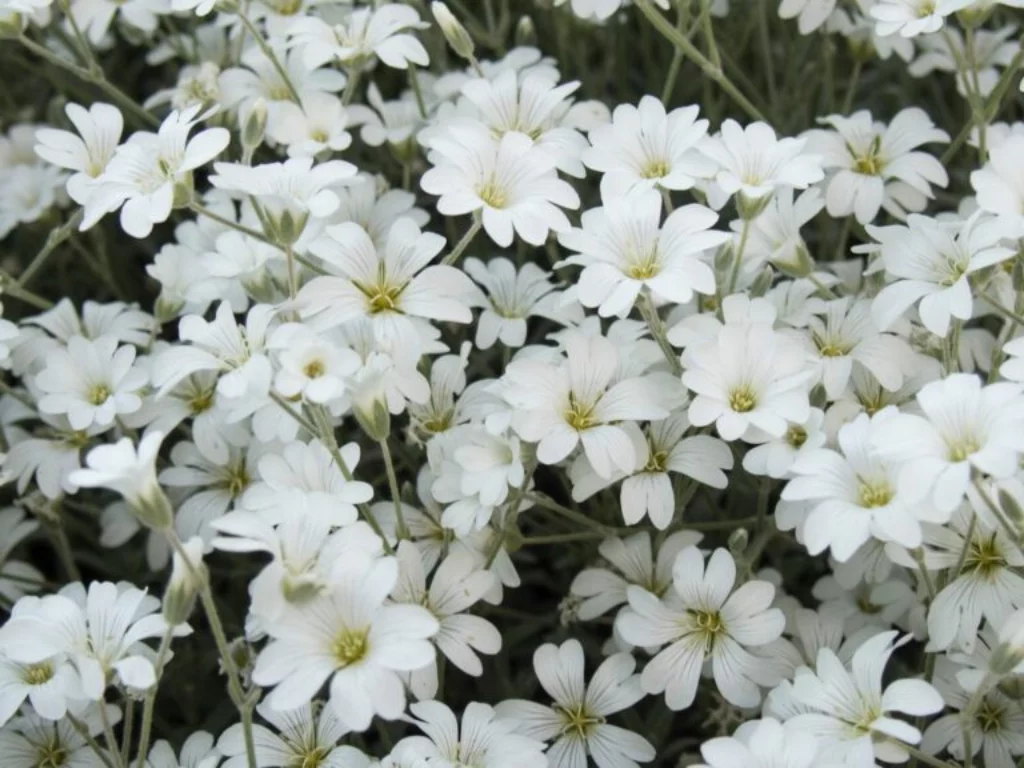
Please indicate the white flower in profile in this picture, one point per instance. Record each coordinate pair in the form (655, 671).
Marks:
(765, 743)
(966, 426)
(646, 148)
(151, 172)
(390, 286)
(855, 493)
(578, 401)
(629, 561)
(511, 182)
(707, 618)
(931, 261)
(131, 471)
(847, 337)
(576, 721)
(623, 248)
(362, 34)
(101, 630)
(513, 295)
(99, 132)
(911, 18)
(849, 712)
(484, 738)
(352, 638)
(458, 583)
(747, 375)
(306, 735)
(873, 166)
(753, 162)
(91, 381)
(999, 185)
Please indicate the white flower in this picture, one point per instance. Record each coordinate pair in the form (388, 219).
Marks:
(151, 172)
(30, 741)
(601, 589)
(965, 425)
(645, 148)
(315, 125)
(1000, 184)
(576, 719)
(560, 406)
(600, 10)
(705, 619)
(623, 248)
(753, 162)
(810, 14)
(849, 710)
(776, 456)
(513, 296)
(774, 236)
(90, 381)
(847, 336)
(874, 166)
(456, 585)
(747, 376)
(390, 286)
(100, 631)
(484, 739)
(855, 493)
(87, 154)
(306, 734)
(763, 743)
(533, 104)
(132, 473)
(197, 752)
(352, 638)
(94, 17)
(660, 449)
(511, 182)
(913, 17)
(51, 685)
(16, 576)
(311, 365)
(932, 261)
(362, 34)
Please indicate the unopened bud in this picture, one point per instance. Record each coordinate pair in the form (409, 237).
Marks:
(723, 259)
(1013, 511)
(12, 25)
(797, 264)
(183, 188)
(285, 227)
(456, 34)
(187, 573)
(526, 32)
(1009, 653)
(374, 419)
(299, 590)
(738, 541)
(763, 282)
(153, 508)
(254, 126)
(750, 208)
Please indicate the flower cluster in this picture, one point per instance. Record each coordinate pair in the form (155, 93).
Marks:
(410, 387)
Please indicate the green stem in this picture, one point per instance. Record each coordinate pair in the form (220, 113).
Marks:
(10, 287)
(658, 331)
(82, 730)
(108, 736)
(389, 465)
(63, 547)
(551, 505)
(689, 50)
(354, 77)
(559, 538)
(127, 731)
(735, 274)
(851, 90)
(150, 701)
(97, 78)
(463, 243)
(1013, 316)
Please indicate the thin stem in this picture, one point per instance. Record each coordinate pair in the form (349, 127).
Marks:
(354, 77)
(997, 512)
(821, 286)
(463, 243)
(10, 287)
(709, 33)
(264, 46)
(559, 538)
(54, 239)
(414, 82)
(127, 731)
(63, 547)
(735, 274)
(83, 731)
(202, 210)
(389, 465)
(108, 736)
(992, 302)
(658, 331)
(553, 506)
(235, 689)
(150, 700)
(689, 50)
(97, 78)
(293, 278)
(851, 90)
(764, 36)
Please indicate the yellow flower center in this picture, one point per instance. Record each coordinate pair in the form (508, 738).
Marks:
(643, 266)
(580, 416)
(98, 394)
(201, 402)
(871, 163)
(37, 674)
(493, 195)
(578, 720)
(960, 449)
(990, 717)
(742, 399)
(985, 558)
(654, 169)
(796, 435)
(350, 647)
(710, 625)
(874, 494)
(53, 754)
(657, 462)
(314, 369)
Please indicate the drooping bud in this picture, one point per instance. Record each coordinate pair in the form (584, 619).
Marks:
(187, 573)
(254, 127)
(526, 32)
(1009, 653)
(456, 34)
(763, 282)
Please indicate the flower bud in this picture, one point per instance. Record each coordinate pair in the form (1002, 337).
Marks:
(254, 126)
(798, 263)
(750, 208)
(12, 25)
(1013, 511)
(738, 541)
(723, 259)
(526, 32)
(286, 226)
(456, 35)
(186, 576)
(153, 508)
(374, 419)
(762, 282)
(1009, 654)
